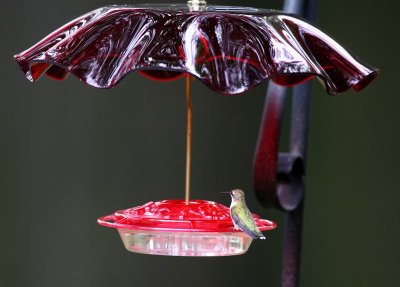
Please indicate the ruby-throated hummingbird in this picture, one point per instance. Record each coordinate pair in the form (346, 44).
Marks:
(241, 216)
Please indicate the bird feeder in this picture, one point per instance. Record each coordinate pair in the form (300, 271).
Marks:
(230, 50)
(173, 227)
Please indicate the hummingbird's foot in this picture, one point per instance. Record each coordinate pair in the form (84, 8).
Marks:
(235, 227)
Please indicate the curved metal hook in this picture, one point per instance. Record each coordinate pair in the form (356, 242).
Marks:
(278, 178)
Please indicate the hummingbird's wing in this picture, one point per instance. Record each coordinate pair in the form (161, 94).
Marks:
(243, 218)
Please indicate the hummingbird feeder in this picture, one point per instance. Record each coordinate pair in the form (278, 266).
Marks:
(173, 227)
(230, 50)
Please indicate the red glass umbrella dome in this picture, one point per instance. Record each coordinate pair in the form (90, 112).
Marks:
(230, 49)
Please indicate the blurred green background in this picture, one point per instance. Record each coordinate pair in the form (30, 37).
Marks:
(71, 153)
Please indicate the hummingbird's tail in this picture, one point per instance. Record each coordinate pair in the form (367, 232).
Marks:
(259, 235)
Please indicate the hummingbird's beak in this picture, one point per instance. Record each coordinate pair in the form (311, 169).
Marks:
(229, 192)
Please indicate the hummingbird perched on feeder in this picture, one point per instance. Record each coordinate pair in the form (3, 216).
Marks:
(241, 216)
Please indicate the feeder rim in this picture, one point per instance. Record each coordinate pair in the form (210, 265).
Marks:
(109, 221)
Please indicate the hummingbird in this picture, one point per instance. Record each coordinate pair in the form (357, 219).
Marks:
(241, 216)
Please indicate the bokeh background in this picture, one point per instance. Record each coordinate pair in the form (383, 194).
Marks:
(71, 153)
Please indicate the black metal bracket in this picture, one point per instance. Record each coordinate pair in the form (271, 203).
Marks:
(279, 178)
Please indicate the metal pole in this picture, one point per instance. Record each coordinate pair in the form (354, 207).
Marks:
(301, 102)
(294, 218)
